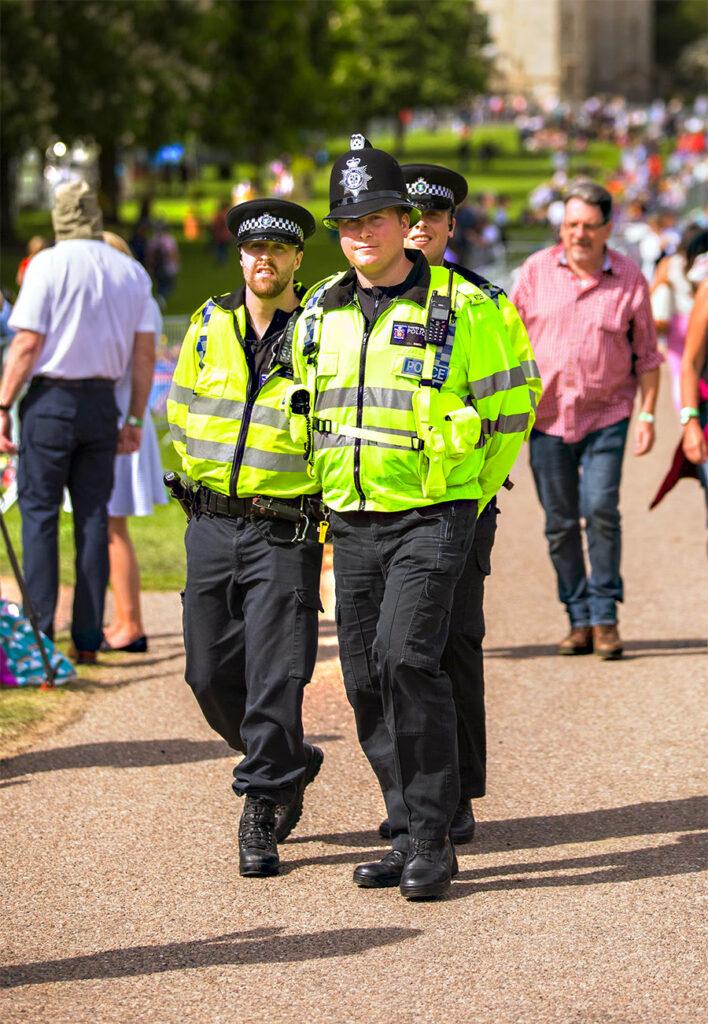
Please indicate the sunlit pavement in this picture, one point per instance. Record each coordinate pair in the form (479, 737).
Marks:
(577, 902)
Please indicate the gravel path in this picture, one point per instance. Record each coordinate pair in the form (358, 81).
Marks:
(578, 902)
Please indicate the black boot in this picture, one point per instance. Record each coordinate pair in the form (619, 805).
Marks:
(288, 815)
(461, 827)
(462, 824)
(381, 874)
(429, 869)
(258, 852)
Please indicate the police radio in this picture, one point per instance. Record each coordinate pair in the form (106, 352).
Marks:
(438, 320)
(284, 351)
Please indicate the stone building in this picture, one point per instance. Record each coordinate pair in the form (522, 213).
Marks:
(572, 48)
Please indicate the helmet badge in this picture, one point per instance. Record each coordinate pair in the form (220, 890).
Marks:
(355, 179)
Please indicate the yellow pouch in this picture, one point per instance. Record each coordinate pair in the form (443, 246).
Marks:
(462, 429)
(296, 406)
(428, 424)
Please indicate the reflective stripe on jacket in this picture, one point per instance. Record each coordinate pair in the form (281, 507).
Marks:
(231, 435)
(368, 380)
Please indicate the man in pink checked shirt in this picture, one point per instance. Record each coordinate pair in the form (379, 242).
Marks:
(586, 309)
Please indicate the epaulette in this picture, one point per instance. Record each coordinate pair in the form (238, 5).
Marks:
(283, 352)
(492, 291)
(318, 290)
(206, 311)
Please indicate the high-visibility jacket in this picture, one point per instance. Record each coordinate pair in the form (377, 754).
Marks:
(230, 430)
(383, 439)
(518, 335)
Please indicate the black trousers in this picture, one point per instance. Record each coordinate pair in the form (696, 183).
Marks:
(395, 576)
(250, 634)
(463, 658)
(67, 439)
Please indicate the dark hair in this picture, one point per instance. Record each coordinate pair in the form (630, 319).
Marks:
(696, 245)
(592, 193)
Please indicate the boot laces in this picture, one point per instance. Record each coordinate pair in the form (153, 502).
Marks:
(428, 848)
(257, 822)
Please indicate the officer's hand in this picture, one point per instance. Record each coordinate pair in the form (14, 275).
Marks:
(644, 438)
(128, 440)
(6, 444)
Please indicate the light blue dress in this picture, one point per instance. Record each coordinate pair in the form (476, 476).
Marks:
(138, 485)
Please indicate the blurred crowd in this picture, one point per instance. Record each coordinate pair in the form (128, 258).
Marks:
(657, 188)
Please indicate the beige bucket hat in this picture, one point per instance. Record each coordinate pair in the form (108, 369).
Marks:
(76, 213)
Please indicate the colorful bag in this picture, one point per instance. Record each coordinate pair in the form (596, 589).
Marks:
(20, 659)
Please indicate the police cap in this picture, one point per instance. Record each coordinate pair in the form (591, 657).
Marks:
(275, 220)
(365, 180)
(433, 187)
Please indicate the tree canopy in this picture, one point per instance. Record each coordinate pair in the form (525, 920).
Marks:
(253, 77)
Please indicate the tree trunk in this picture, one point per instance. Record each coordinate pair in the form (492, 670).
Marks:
(108, 188)
(258, 159)
(7, 198)
(399, 142)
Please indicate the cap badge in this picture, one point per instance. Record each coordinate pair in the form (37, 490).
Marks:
(266, 221)
(355, 179)
(357, 142)
(419, 187)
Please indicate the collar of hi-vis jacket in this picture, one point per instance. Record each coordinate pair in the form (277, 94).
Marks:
(418, 284)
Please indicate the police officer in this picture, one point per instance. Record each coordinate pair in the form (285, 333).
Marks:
(416, 416)
(437, 191)
(253, 559)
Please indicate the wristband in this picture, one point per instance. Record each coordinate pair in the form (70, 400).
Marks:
(687, 414)
(645, 417)
(5, 408)
(134, 421)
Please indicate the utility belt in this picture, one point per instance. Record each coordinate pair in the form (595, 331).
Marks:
(308, 515)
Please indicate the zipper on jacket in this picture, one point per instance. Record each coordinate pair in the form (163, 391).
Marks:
(360, 405)
(254, 390)
(251, 396)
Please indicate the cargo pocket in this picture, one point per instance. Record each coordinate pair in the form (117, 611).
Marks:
(355, 654)
(304, 645)
(429, 624)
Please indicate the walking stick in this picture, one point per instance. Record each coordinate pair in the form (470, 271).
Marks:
(27, 605)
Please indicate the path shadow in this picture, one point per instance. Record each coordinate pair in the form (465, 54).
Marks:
(259, 946)
(659, 817)
(138, 661)
(128, 754)
(125, 754)
(686, 855)
(652, 648)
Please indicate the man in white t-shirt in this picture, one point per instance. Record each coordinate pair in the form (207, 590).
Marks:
(82, 315)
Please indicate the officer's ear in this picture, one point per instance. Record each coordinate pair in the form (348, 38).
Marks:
(298, 259)
(451, 225)
(405, 223)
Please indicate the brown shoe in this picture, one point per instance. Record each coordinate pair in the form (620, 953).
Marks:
(82, 657)
(578, 641)
(608, 645)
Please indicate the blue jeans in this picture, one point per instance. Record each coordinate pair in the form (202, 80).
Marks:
(575, 480)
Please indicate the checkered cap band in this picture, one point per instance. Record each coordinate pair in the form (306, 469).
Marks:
(267, 222)
(421, 187)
